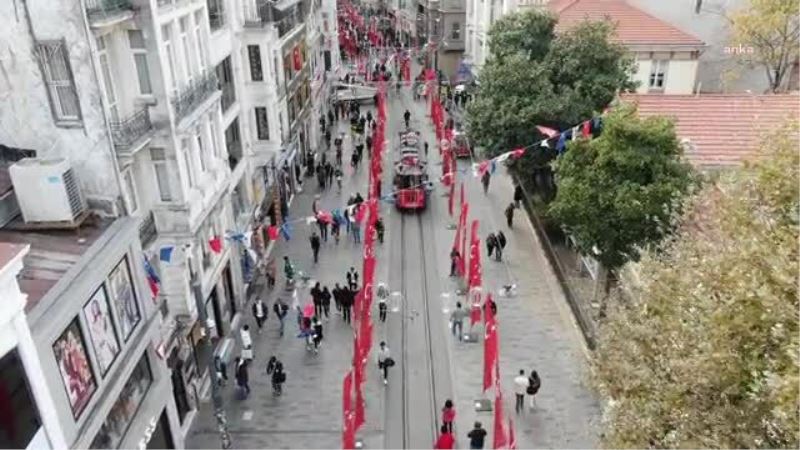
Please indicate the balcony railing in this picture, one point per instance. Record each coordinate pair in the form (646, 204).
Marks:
(102, 10)
(257, 13)
(194, 94)
(147, 230)
(127, 132)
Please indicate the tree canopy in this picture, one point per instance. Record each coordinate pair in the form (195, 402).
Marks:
(535, 77)
(706, 353)
(772, 29)
(617, 192)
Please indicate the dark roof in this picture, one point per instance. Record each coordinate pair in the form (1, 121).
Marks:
(52, 253)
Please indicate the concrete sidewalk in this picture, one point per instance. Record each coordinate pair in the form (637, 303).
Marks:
(536, 328)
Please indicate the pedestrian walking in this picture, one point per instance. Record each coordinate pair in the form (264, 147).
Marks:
(352, 279)
(501, 245)
(518, 195)
(317, 330)
(510, 215)
(315, 205)
(271, 273)
(485, 181)
(356, 229)
(382, 294)
(326, 302)
(329, 173)
(348, 298)
(448, 415)
(273, 360)
(278, 378)
(476, 437)
(260, 313)
(323, 229)
(335, 229)
(491, 304)
(379, 222)
(281, 309)
(328, 138)
(242, 377)
(457, 320)
(321, 177)
(337, 298)
(426, 150)
(455, 256)
(288, 270)
(385, 361)
(534, 383)
(520, 388)
(316, 298)
(491, 243)
(331, 115)
(247, 343)
(315, 246)
(446, 439)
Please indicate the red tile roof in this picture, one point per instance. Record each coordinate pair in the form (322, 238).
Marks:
(724, 129)
(633, 26)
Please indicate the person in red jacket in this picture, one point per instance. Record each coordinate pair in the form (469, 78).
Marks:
(448, 415)
(446, 439)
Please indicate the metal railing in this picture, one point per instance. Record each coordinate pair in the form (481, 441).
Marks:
(195, 93)
(127, 131)
(97, 9)
(147, 230)
(257, 13)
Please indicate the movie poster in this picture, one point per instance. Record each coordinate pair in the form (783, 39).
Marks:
(70, 353)
(123, 297)
(101, 330)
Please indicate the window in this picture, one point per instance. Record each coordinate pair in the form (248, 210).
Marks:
(136, 40)
(108, 80)
(254, 55)
(262, 124)
(455, 33)
(216, 14)
(198, 40)
(173, 75)
(213, 125)
(130, 192)
(187, 59)
(658, 74)
(162, 173)
(57, 74)
(187, 159)
(125, 407)
(201, 154)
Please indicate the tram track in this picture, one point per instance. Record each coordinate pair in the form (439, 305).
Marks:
(411, 229)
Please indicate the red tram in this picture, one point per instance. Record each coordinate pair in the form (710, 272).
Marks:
(461, 145)
(410, 180)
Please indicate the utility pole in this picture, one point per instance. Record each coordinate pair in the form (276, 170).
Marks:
(216, 395)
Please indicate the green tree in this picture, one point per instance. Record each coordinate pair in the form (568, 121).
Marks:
(706, 353)
(772, 29)
(535, 77)
(617, 192)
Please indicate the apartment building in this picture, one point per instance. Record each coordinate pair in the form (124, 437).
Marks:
(667, 58)
(93, 324)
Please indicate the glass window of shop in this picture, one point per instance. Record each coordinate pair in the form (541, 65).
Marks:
(125, 408)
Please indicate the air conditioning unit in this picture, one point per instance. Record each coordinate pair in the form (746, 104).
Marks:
(47, 190)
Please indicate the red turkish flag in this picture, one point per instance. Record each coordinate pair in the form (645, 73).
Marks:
(587, 129)
(297, 59)
(216, 244)
(517, 153)
(348, 431)
(489, 350)
(461, 187)
(475, 309)
(451, 199)
(499, 430)
(359, 415)
(273, 232)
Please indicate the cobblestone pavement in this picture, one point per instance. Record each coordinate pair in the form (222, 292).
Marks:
(536, 331)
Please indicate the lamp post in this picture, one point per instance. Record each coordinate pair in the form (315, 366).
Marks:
(216, 395)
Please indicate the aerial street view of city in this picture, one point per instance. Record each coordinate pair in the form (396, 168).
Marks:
(399, 224)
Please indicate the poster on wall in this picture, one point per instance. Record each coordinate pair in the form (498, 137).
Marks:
(70, 353)
(101, 330)
(123, 298)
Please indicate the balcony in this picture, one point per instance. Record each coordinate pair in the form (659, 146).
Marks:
(194, 94)
(104, 13)
(257, 13)
(147, 230)
(291, 18)
(131, 130)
